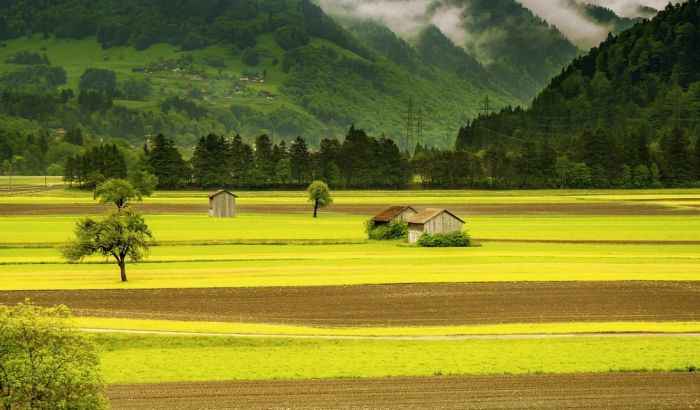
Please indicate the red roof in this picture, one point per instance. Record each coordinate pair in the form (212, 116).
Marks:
(222, 191)
(390, 213)
(427, 214)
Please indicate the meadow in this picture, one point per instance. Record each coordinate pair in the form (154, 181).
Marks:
(146, 359)
(645, 241)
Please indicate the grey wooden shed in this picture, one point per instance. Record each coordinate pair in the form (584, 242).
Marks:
(222, 204)
(433, 220)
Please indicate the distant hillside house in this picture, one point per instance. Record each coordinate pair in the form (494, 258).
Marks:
(433, 220)
(222, 204)
(400, 213)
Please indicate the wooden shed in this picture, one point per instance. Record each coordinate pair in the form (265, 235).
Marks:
(398, 212)
(433, 220)
(222, 204)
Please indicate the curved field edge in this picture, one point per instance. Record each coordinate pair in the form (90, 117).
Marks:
(147, 359)
(281, 330)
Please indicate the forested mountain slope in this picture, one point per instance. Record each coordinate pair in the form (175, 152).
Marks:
(645, 78)
(186, 68)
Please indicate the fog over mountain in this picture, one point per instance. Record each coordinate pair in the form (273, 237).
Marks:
(408, 17)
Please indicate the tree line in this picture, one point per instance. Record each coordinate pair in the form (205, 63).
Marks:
(360, 161)
(593, 159)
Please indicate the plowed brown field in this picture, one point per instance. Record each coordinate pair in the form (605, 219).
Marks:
(579, 391)
(395, 305)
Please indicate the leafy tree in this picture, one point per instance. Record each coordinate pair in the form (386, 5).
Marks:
(166, 163)
(74, 137)
(679, 166)
(264, 156)
(94, 100)
(112, 32)
(697, 159)
(93, 179)
(119, 192)
(46, 362)
(136, 89)
(251, 57)
(292, 36)
(283, 171)
(319, 195)
(121, 234)
(98, 79)
(210, 162)
(143, 182)
(299, 159)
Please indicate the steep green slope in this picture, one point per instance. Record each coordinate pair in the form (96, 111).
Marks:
(283, 68)
(519, 49)
(643, 80)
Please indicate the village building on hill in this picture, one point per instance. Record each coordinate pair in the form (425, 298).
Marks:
(432, 221)
(222, 204)
(400, 213)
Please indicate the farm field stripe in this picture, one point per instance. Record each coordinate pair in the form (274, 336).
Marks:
(12, 206)
(413, 337)
(387, 305)
(589, 241)
(502, 329)
(137, 358)
(642, 391)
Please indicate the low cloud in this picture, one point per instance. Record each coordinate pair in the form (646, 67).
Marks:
(408, 17)
(569, 20)
(404, 17)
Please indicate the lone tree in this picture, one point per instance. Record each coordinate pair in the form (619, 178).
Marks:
(46, 362)
(119, 192)
(122, 234)
(319, 195)
(144, 182)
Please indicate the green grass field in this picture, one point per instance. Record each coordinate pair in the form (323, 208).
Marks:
(266, 228)
(143, 359)
(371, 263)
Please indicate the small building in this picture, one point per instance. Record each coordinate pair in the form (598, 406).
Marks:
(222, 204)
(398, 212)
(433, 220)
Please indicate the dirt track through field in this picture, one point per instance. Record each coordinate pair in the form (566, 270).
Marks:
(392, 305)
(581, 391)
(571, 208)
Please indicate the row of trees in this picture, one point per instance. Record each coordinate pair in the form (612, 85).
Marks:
(92, 167)
(360, 161)
(593, 159)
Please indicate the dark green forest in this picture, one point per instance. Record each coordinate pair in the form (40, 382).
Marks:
(628, 107)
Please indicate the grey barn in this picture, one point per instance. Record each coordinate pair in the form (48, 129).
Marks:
(222, 204)
(433, 220)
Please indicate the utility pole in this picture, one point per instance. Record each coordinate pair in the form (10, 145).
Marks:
(419, 127)
(409, 124)
(487, 109)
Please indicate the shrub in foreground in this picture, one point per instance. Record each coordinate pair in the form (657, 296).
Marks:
(46, 362)
(393, 230)
(439, 240)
